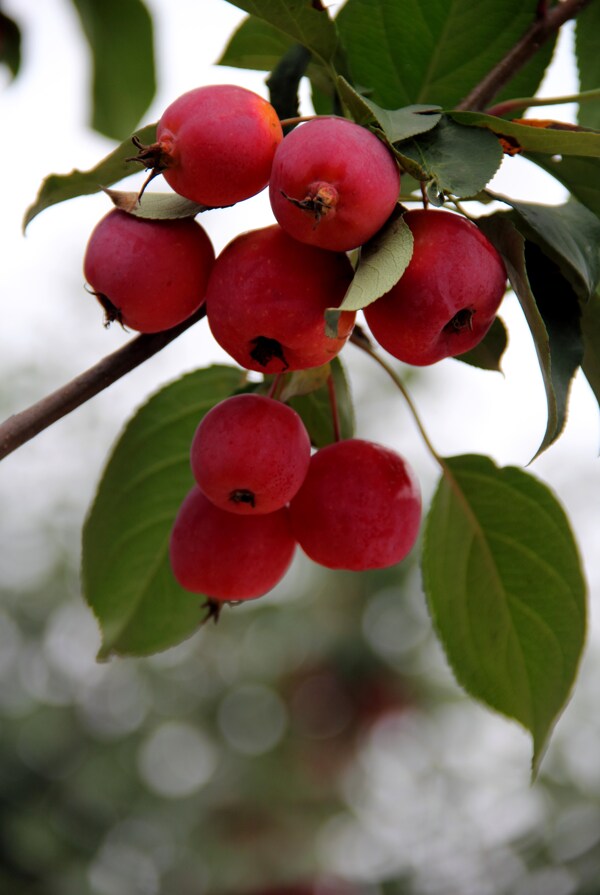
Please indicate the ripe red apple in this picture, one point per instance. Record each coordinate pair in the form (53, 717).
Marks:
(250, 454)
(266, 300)
(449, 294)
(215, 144)
(226, 556)
(359, 507)
(333, 184)
(149, 275)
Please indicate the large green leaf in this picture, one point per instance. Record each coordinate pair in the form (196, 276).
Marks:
(569, 234)
(587, 30)
(125, 566)
(452, 158)
(581, 176)
(552, 312)
(506, 591)
(406, 51)
(112, 168)
(255, 45)
(120, 35)
(304, 23)
(533, 139)
(590, 325)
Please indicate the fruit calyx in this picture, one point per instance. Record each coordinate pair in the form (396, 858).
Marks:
(155, 157)
(112, 314)
(320, 200)
(462, 320)
(266, 349)
(243, 495)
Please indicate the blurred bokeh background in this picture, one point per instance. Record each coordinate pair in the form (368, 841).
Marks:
(315, 738)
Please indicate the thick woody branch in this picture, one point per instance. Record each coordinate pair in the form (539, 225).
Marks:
(21, 427)
(546, 24)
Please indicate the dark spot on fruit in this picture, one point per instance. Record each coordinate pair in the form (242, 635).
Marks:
(241, 495)
(265, 350)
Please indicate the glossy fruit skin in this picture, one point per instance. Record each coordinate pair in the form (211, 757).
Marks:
(149, 275)
(226, 556)
(250, 454)
(266, 300)
(218, 143)
(359, 507)
(346, 181)
(449, 294)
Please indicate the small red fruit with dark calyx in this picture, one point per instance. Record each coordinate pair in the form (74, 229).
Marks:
(250, 454)
(226, 556)
(447, 298)
(266, 300)
(148, 275)
(333, 184)
(359, 507)
(215, 144)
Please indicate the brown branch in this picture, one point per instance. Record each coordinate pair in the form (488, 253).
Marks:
(21, 427)
(536, 35)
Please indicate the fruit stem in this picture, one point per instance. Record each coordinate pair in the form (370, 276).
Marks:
(363, 343)
(335, 417)
(276, 386)
(289, 122)
(525, 102)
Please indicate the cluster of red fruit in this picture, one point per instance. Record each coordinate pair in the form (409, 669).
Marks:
(352, 505)
(333, 185)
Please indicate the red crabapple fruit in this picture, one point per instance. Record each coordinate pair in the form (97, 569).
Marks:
(333, 184)
(149, 275)
(215, 144)
(266, 300)
(226, 556)
(250, 454)
(359, 507)
(448, 296)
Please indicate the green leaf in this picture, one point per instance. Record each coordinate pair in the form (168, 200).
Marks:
(488, 354)
(315, 408)
(506, 591)
(299, 20)
(255, 45)
(581, 176)
(10, 44)
(155, 206)
(410, 52)
(451, 159)
(568, 234)
(120, 36)
(126, 574)
(114, 167)
(587, 29)
(552, 312)
(382, 262)
(548, 140)
(590, 325)
(397, 124)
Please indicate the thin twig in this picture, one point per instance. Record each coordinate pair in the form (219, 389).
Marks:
(536, 35)
(22, 427)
